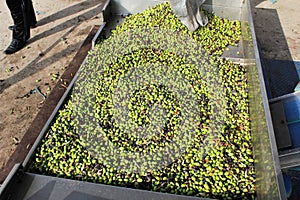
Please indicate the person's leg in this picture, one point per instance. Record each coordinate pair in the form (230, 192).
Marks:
(21, 31)
(30, 13)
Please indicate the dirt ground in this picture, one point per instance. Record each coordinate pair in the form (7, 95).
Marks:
(62, 27)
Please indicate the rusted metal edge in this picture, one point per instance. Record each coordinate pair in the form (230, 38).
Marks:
(43, 115)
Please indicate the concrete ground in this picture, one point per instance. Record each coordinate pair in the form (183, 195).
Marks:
(277, 28)
(62, 27)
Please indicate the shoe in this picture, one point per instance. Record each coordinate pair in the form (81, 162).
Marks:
(15, 46)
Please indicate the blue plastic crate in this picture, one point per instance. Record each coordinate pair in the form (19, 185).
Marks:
(295, 134)
(292, 110)
(292, 114)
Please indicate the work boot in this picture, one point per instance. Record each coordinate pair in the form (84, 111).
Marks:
(21, 30)
(15, 46)
(19, 38)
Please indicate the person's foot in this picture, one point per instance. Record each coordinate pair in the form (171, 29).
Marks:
(15, 46)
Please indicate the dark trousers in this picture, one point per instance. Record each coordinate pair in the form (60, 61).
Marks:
(23, 15)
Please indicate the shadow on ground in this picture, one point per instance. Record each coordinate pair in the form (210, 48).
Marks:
(279, 69)
(37, 65)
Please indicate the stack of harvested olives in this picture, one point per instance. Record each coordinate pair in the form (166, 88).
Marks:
(226, 171)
